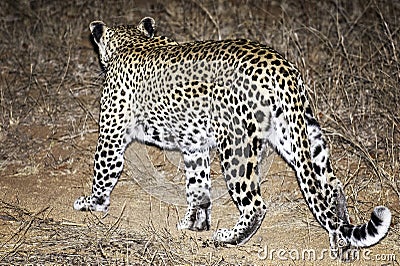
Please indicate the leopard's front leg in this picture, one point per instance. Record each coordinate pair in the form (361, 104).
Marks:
(109, 155)
(198, 184)
(108, 164)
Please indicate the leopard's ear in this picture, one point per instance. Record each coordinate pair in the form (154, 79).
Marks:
(147, 26)
(97, 29)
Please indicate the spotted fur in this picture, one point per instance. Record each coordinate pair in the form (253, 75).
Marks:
(233, 95)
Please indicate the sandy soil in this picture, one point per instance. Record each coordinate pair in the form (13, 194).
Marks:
(287, 235)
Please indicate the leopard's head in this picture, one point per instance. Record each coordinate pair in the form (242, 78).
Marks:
(110, 40)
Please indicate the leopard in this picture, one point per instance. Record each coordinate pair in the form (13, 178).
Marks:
(237, 96)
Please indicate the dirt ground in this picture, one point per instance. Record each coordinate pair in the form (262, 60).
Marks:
(50, 86)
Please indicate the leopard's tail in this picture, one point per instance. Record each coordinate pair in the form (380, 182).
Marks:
(370, 233)
(339, 226)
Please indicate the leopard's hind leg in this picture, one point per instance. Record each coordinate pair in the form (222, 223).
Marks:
(240, 158)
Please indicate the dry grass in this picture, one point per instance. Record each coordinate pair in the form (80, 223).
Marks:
(50, 85)
(40, 240)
